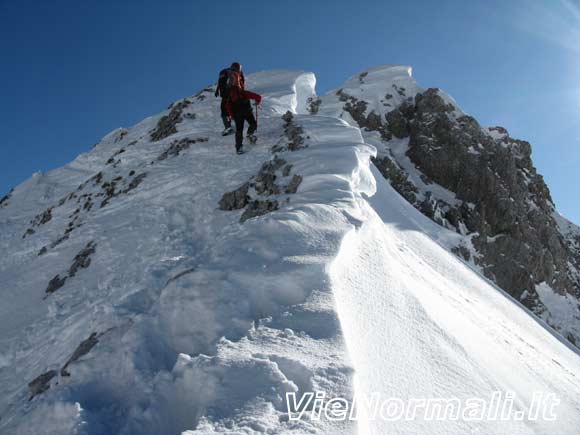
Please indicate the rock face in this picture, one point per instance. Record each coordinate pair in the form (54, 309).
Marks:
(492, 193)
(513, 211)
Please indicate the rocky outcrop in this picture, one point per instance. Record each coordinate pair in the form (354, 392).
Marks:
(313, 105)
(398, 177)
(167, 124)
(258, 208)
(82, 349)
(81, 261)
(41, 384)
(294, 135)
(236, 199)
(513, 210)
(357, 109)
(178, 146)
(265, 183)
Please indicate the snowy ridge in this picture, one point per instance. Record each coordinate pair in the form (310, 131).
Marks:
(138, 306)
(171, 274)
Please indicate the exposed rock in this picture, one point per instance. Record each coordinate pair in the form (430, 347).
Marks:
(178, 146)
(399, 89)
(397, 177)
(167, 124)
(55, 283)
(510, 198)
(111, 189)
(357, 110)
(517, 239)
(28, 232)
(82, 349)
(265, 180)
(313, 105)
(83, 259)
(135, 182)
(398, 124)
(236, 199)
(121, 134)
(462, 252)
(42, 218)
(113, 160)
(294, 183)
(59, 241)
(40, 384)
(293, 132)
(5, 198)
(264, 183)
(258, 208)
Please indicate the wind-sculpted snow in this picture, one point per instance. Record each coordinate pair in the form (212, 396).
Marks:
(187, 302)
(434, 328)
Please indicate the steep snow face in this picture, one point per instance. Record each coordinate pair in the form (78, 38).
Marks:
(476, 181)
(161, 284)
(433, 328)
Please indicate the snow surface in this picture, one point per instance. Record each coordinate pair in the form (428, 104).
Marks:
(205, 324)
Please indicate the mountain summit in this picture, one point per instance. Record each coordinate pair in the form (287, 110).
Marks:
(376, 239)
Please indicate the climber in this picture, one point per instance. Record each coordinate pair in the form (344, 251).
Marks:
(223, 91)
(238, 105)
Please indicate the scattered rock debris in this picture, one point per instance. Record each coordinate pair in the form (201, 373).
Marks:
(178, 146)
(81, 261)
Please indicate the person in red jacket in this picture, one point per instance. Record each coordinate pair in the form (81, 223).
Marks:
(239, 105)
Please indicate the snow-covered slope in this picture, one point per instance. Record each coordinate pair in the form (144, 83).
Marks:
(160, 284)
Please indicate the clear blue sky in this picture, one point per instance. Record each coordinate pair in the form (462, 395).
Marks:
(71, 71)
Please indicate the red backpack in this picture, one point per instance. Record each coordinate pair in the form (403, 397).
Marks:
(235, 84)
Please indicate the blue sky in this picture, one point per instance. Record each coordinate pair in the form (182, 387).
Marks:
(71, 71)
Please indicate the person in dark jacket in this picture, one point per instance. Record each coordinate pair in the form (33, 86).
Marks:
(239, 107)
(223, 91)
